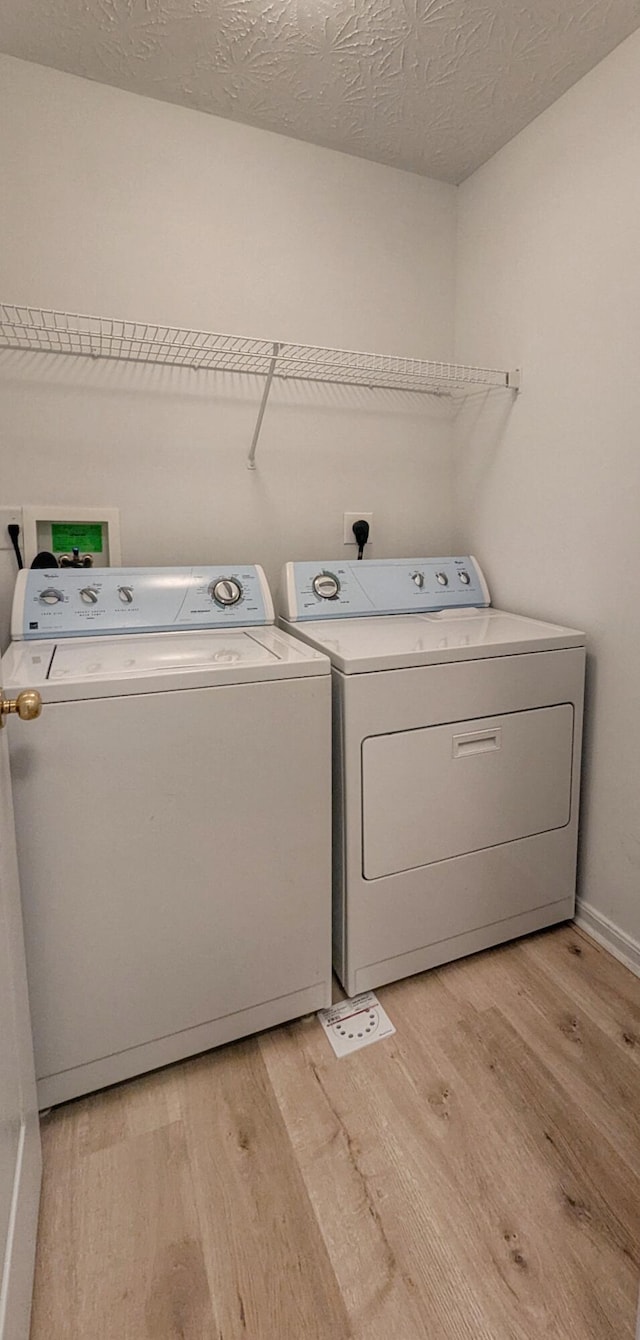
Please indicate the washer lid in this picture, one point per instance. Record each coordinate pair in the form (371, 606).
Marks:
(108, 667)
(400, 641)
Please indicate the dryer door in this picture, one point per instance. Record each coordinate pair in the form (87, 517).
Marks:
(443, 791)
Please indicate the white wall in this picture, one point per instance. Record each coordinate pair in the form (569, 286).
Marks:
(548, 492)
(124, 206)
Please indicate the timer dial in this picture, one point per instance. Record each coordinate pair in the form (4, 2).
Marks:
(226, 591)
(326, 586)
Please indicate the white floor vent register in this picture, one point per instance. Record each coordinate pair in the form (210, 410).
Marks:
(355, 1023)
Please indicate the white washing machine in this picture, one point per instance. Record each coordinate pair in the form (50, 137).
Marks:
(456, 761)
(173, 813)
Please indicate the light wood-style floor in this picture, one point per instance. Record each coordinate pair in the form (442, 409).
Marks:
(476, 1175)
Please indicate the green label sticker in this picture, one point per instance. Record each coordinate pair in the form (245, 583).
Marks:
(65, 537)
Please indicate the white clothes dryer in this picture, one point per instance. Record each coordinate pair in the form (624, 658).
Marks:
(173, 817)
(457, 735)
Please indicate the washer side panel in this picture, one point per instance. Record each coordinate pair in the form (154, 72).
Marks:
(175, 860)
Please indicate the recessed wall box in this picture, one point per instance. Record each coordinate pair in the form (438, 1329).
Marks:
(93, 531)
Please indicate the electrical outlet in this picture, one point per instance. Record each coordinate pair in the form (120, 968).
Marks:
(9, 516)
(349, 518)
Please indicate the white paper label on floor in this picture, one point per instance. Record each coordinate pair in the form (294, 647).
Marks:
(355, 1023)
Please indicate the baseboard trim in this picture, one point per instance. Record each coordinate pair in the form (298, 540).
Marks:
(621, 945)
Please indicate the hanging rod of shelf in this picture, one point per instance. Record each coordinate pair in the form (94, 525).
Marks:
(48, 331)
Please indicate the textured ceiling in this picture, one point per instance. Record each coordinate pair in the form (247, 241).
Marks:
(435, 86)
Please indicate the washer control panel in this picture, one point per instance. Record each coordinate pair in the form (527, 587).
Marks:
(71, 602)
(352, 589)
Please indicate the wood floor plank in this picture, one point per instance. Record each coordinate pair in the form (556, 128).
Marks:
(475, 981)
(568, 1180)
(394, 1141)
(600, 985)
(476, 1176)
(119, 1113)
(378, 1297)
(577, 1052)
(599, 1188)
(511, 1187)
(268, 1268)
(121, 1258)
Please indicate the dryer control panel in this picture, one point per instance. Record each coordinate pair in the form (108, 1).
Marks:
(71, 602)
(352, 589)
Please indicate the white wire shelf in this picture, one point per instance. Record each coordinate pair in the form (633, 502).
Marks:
(49, 331)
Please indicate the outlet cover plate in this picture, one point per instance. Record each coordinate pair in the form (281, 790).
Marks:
(10, 516)
(349, 518)
(356, 1023)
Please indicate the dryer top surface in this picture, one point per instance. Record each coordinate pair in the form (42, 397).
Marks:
(357, 646)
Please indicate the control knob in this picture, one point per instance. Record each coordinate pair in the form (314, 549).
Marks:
(418, 578)
(126, 594)
(464, 577)
(50, 596)
(442, 578)
(89, 595)
(326, 586)
(226, 591)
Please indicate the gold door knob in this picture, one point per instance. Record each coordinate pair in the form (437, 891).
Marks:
(28, 705)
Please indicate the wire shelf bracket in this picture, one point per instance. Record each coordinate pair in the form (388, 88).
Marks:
(251, 460)
(50, 331)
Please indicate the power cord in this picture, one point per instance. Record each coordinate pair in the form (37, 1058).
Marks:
(14, 531)
(361, 532)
